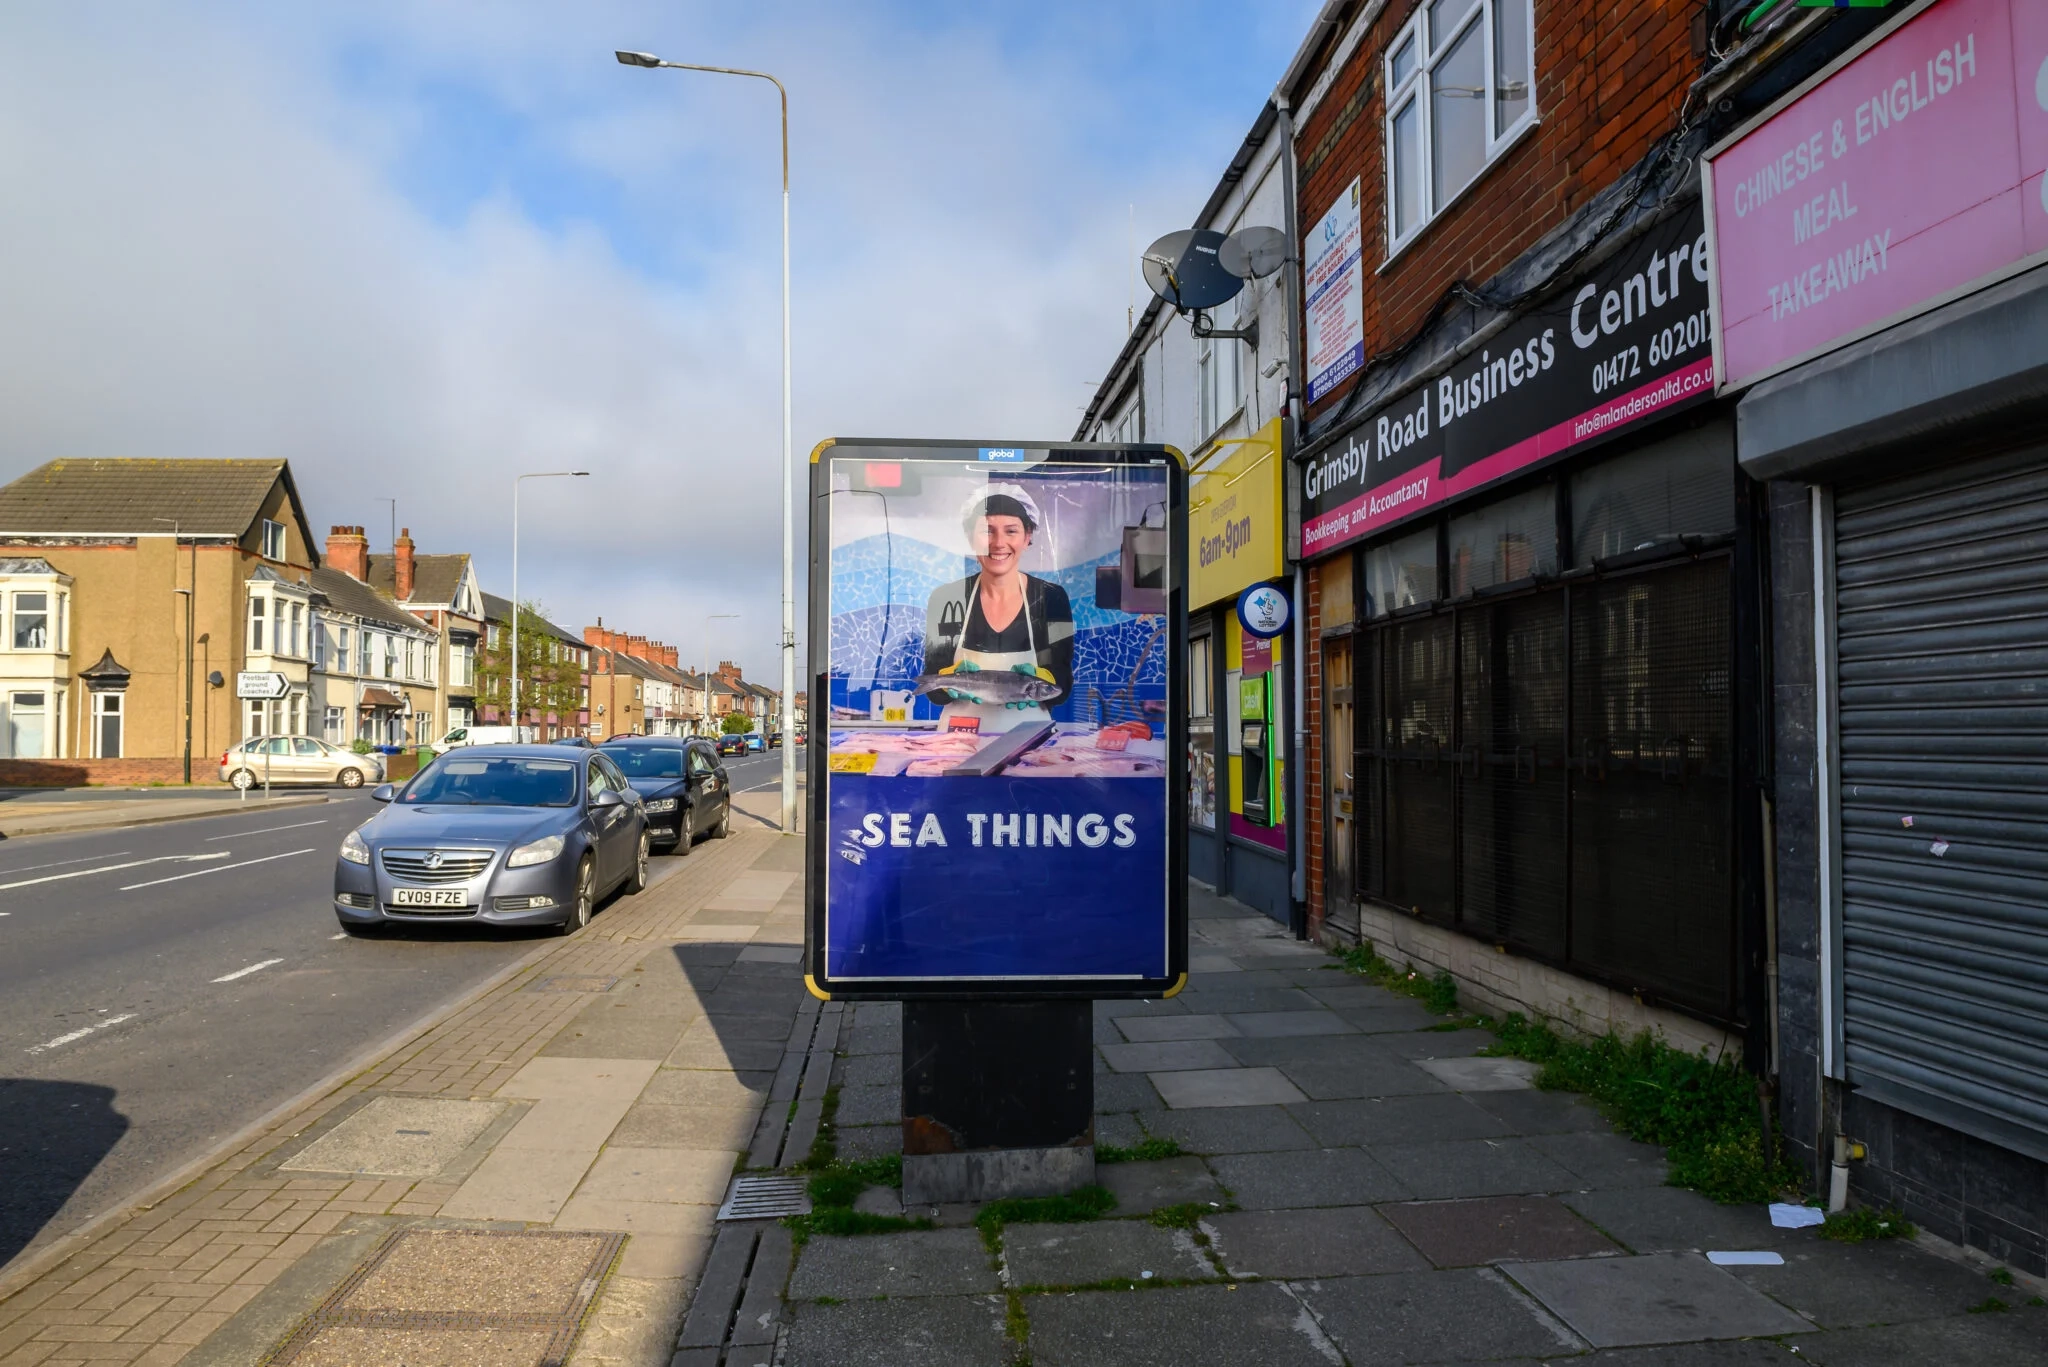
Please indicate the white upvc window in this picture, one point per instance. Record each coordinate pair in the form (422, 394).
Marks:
(273, 540)
(390, 656)
(32, 621)
(1219, 374)
(1459, 91)
(341, 644)
(277, 642)
(258, 610)
(298, 629)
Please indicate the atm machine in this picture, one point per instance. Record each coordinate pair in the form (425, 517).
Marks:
(1260, 749)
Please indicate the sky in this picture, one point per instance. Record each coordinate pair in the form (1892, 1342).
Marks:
(419, 249)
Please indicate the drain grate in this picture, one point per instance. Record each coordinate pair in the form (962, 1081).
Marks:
(502, 1296)
(765, 1198)
(571, 982)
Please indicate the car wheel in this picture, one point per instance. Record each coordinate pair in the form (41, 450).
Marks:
(351, 778)
(686, 830)
(636, 881)
(586, 895)
(724, 826)
(242, 779)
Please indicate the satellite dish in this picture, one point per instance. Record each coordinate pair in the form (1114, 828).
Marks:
(1250, 252)
(1182, 269)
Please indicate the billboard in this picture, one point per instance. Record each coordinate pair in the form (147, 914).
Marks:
(997, 742)
(1333, 295)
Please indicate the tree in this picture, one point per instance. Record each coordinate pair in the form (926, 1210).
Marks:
(549, 679)
(737, 723)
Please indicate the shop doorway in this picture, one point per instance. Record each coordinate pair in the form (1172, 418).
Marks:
(1340, 907)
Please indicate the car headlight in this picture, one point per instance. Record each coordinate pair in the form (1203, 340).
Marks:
(662, 804)
(539, 852)
(353, 849)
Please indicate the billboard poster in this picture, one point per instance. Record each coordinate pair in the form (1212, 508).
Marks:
(1628, 342)
(1333, 295)
(997, 768)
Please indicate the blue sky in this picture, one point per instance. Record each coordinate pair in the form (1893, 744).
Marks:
(412, 247)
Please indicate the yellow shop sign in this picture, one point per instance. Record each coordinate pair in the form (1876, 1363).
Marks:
(1234, 517)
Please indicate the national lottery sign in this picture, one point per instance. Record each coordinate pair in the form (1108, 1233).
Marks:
(997, 746)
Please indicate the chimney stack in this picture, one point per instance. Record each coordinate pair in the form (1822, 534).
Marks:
(348, 550)
(401, 564)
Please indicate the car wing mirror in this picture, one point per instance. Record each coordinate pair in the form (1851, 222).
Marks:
(384, 792)
(607, 798)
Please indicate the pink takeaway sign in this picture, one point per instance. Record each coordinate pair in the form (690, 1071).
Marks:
(1907, 174)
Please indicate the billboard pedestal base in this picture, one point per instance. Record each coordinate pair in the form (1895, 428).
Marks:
(998, 1099)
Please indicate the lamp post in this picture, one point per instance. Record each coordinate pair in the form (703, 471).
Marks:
(709, 618)
(517, 481)
(189, 594)
(648, 59)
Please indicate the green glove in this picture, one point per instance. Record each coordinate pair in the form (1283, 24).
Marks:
(965, 667)
(1030, 671)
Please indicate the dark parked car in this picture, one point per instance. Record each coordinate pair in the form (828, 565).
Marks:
(503, 834)
(580, 742)
(732, 744)
(682, 786)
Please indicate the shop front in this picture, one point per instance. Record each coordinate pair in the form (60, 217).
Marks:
(1536, 617)
(1239, 680)
(1885, 326)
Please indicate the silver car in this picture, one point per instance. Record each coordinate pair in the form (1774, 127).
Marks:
(297, 759)
(512, 835)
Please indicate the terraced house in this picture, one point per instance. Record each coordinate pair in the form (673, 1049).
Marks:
(131, 592)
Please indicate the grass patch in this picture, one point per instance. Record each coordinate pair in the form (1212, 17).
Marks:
(1701, 1111)
(824, 1144)
(828, 1300)
(2001, 1275)
(1438, 993)
(845, 1220)
(1861, 1223)
(1015, 1323)
(1147, 1151)
(1089, 1203)
(1181, 1216)
(1990, 1305)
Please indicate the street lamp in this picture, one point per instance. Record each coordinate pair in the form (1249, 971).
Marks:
(540, 474)
(190, 594)
(649, 60)
(709, 618)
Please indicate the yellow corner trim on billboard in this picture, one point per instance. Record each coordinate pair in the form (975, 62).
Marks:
(1234, 517)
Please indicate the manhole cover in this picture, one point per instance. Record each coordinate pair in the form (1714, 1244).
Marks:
(571, 982)
(506, 1298)
(765, 1198)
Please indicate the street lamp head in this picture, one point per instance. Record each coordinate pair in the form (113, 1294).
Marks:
(647, 59)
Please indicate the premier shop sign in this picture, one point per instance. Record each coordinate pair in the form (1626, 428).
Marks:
(1626, 343)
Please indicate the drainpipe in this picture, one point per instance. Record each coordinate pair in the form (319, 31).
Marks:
(1290, 439)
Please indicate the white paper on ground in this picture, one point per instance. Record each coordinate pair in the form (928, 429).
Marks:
(1746, 1259)
(1787, 1216)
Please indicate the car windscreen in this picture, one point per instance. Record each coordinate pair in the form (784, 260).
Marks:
(646, 761)
(480, 782)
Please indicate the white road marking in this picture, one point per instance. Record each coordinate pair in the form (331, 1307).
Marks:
(111, 868)
(265, 830)
(77, 1035)
(338, 935)
(217, 868)
(58, 864)
(245, 972)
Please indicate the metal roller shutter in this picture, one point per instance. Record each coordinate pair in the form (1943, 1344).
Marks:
(1942, 684)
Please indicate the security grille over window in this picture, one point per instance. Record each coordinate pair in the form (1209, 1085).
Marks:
(1941, 584)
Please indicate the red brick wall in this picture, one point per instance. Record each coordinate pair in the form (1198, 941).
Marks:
(75, 773)
(1608, 83)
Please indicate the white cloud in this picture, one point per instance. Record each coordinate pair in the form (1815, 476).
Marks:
(223, 239)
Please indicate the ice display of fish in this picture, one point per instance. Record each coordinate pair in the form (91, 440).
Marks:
(992, 686)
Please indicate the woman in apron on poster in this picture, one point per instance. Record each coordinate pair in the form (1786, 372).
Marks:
(999, 620)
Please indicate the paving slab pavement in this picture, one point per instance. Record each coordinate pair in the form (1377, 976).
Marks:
(1374, 1192)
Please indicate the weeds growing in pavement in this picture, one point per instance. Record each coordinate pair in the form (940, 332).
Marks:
(836, 1186)
(1989, 1305)
(1702, 1111)
(1145, 1151)
(1439, 993)
(2001, 1275)
(1089, 1203)
(1183, 1216)
(824, 1144)
(1855, 1225)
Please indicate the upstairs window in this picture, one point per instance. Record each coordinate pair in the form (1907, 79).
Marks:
(298, 629)
(257, 612)
(31, 621)
(1458, 91)
(341, 644)
(1219, 372)
(273, 540)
